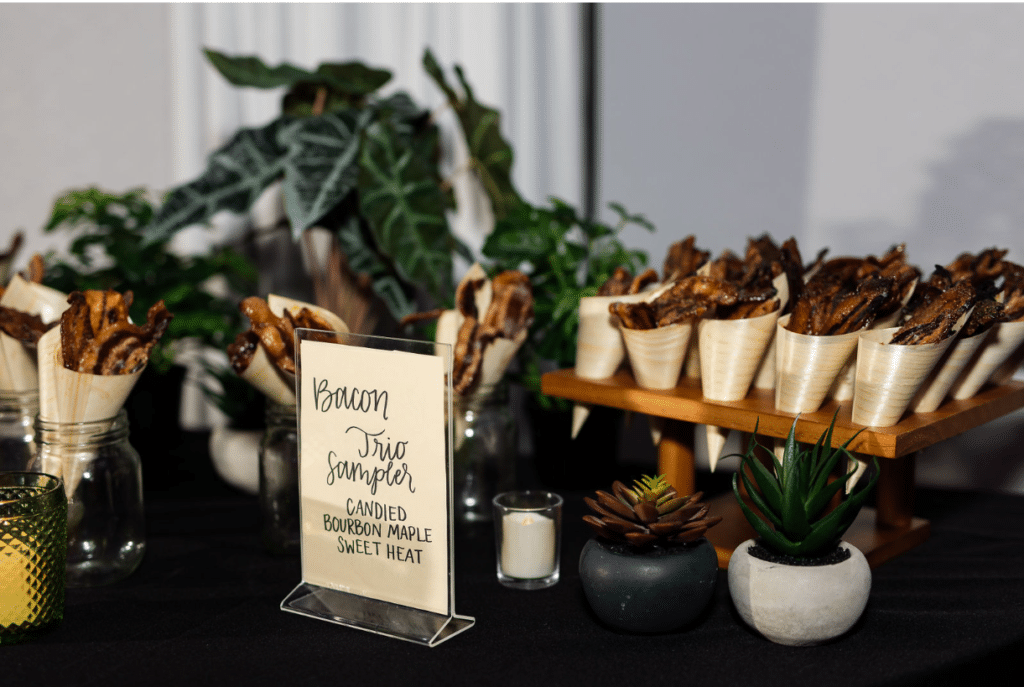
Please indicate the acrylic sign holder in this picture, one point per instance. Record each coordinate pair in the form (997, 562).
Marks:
(363, 612)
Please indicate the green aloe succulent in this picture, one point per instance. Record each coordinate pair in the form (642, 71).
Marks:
(794, 497)
(651, 513)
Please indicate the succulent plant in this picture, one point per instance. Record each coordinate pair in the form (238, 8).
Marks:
(650, 514)
(793, 498)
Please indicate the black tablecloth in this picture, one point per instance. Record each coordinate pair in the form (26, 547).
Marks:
(203, 609)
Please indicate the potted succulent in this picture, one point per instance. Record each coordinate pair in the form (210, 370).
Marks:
(798, 583)
(650, 568)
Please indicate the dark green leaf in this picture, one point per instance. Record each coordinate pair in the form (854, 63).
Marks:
(352, 78)
(490, 155)
(235, 176)
(322, 165)
(252, 72)
(401, 199)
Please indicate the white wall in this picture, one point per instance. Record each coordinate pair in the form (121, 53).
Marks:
(918, 129)
(85, 100)
(850, 126)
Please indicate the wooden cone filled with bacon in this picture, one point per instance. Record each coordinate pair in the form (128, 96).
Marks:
(730, 354)
(656, 355)
(90, 363)
(807, 366)
(489, 324)
(1005, 338)
(27, 311)
(893, 364)
(264, 355)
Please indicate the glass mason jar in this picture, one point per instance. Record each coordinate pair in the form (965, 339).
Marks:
(484, 451)
(279, 480)
(18, 410)
(103, 479)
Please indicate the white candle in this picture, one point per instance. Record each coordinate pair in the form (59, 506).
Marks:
(527, 545)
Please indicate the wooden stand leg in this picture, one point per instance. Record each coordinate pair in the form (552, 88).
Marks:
(675, 455)
(895, 492)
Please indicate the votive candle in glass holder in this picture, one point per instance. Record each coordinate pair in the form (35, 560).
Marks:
(528, 538)
(33, 546)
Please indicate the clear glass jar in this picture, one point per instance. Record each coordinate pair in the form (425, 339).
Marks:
(103, 479)
(484, 451)
(279, 480)
(18, 410)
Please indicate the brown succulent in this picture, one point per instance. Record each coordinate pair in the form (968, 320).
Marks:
(652, 513)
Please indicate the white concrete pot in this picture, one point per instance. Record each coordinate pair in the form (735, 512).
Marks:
(799, 605)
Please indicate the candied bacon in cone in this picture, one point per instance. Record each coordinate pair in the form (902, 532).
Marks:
(97, 336)
(618, 284)
(1013, 290)
(683, 259)
(22, 326)
(934, 321)
(275, 334)
(508, 316)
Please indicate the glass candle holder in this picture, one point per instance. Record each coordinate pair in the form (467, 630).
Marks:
(33, 545)
(103, 479)
(528, 538)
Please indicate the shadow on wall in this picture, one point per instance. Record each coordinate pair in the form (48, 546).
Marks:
(974, 200)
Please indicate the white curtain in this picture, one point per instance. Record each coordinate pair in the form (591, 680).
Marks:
(522, 59)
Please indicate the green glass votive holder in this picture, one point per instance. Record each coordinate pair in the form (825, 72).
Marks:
(33, 550)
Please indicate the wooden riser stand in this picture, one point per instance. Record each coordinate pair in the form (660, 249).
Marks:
(881, 533)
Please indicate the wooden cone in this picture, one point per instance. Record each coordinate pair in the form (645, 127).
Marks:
(716, 438)
(730, 353)
(599, 346)
(889, 375)
(807, 366)
(937, 385)
(19, 364)
(580, 413)
(656, 355)
(1003, 339)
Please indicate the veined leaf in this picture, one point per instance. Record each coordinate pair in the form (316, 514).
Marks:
(322, 165)
(401, 199)
(490, 153)
(235, 176)
(363, 259)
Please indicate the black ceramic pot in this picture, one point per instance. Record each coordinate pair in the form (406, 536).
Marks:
(657, 591)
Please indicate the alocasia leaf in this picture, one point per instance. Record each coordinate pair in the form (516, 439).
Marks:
(253, 72)
(490, 153)
(350, 78)
(235, 176)
(402, 201)
(322, 165)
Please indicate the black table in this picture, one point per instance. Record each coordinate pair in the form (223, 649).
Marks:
(203, 609)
